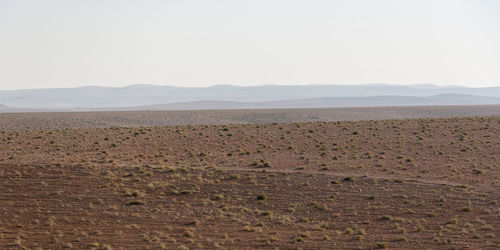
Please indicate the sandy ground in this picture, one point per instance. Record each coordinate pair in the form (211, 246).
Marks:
(60, 120)
(412, 184)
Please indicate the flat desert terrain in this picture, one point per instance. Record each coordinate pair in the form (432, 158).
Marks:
(272, 179)
(61, 120)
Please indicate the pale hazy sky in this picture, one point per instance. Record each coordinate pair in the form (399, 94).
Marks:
(199, 43)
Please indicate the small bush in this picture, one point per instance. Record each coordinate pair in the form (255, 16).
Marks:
(349, 178)
(261, 197)
(386, 217)
(267, 213)
(466, 209)
(135, 202)
(218, 197)
(478, 171)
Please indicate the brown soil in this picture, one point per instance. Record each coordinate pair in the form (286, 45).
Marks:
(61, 120)
(412, 184)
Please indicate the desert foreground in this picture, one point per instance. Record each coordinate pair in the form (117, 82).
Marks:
(71, 181)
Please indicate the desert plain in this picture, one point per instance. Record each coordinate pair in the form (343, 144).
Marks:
(104, 180)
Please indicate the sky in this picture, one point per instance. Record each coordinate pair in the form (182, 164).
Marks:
(69, 43)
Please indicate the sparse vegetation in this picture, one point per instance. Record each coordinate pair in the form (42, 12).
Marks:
(158, 189)
(382, 244)
(386, 217)
(349, 178)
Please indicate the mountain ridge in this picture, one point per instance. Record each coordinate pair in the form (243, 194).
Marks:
(96, 97)
(326, 102)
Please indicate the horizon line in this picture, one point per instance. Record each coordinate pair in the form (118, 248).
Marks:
(255, 85)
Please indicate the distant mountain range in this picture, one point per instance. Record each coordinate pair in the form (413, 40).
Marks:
(152, 97)
(325, 102)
